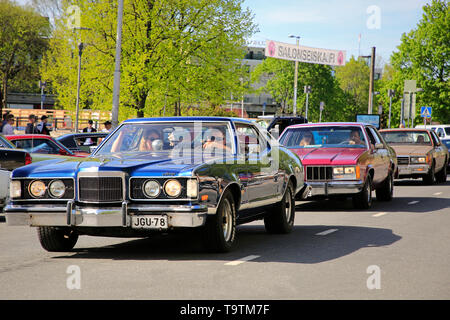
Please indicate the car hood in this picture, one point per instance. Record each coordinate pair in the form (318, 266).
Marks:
(135, 164)
(329, 156)
(411, 150)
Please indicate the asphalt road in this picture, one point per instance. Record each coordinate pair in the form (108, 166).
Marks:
(395, 250)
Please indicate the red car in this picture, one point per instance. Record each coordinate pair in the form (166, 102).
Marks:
(344, 159)
(42, 143)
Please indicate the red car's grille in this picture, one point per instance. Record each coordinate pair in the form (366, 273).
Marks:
(318, 173)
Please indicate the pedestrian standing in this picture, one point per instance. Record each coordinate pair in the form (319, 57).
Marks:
(107, 125)
(42, 126)
(90, 128)
(31, 125)
(8, 128)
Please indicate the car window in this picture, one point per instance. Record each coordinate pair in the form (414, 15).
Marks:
(324, 137)
(375, 134)
(406, 137)
(41, 146)
(435, 138)
(248, 134)
(159, 136)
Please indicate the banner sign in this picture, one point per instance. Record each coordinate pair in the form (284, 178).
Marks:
(293, 52)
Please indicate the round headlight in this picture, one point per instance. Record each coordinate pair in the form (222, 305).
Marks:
(57, 188)
(37, 188)
(172, 188)
(152, 188)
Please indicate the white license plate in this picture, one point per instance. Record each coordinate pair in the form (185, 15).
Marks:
(149, 222)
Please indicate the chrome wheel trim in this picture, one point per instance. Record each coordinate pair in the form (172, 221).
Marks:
(227, 221)
(288, 206)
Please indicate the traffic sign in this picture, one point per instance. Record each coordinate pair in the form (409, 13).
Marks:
(425, 112)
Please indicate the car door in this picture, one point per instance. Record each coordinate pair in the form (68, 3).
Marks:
(383, 152)
(260, 178)
(376, 157)
(439, 153)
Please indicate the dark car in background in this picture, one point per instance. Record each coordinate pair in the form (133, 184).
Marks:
(276, 124)
(78, 142)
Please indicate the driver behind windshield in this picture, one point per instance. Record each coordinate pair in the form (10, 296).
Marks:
(147, 139)
(355, 137)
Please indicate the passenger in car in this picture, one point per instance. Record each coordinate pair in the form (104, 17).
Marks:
(307, 139)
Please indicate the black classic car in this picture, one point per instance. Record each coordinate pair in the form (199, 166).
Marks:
(82, 142)
(160, 174)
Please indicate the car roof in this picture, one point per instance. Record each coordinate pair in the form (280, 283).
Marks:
(28, 136)
(327, 124)
(82, 134)
(163, 119)
(404, 129)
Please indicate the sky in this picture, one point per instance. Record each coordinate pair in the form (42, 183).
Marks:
(336, 24)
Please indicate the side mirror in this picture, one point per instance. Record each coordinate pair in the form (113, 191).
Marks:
(92, 148)
(62, 152)
(379, 146)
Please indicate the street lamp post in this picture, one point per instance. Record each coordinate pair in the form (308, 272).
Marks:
(116, 85)
(80, 52)
(307, 90)
(294, 109)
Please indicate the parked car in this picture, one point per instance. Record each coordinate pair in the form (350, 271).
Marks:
(420, 154)
(42, 143)
(76, 142)
(10, 159)
(446, 142)
(442, 130)
(35, 157)
(162, 174)
(344, 159)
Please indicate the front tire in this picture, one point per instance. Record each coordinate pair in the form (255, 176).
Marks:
(441, 176)
(363, 200)
(57, 239)
(219, 232)
(430, 178)
(281, 219)
(386, 191)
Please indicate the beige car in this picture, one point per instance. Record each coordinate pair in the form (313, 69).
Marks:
(420, 154)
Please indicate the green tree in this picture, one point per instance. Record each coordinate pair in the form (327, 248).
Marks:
(23, 40)
(424, 55)
(175, 54)
(353, 79)
(277, 79)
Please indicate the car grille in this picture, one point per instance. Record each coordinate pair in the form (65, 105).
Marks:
(100, 189)
(316, 173)
(402, 160)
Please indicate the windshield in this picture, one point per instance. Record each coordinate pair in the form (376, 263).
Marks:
(170, 136)
(406, 137)
(324, 137)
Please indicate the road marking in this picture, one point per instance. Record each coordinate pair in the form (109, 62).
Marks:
(413, 202)
(324, 233)
(379, 214)
(437, 193)
(241, 260)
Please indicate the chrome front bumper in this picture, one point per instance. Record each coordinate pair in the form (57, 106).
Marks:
(413, 169)
(72, 215)
(335, 187)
